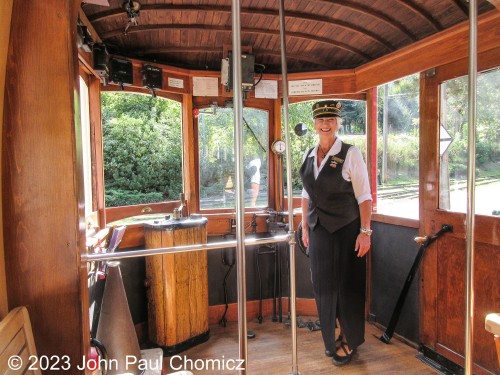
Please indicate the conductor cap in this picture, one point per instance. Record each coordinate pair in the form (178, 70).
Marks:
(327, 108)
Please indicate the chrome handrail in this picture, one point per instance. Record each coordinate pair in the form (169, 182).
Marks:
(181, 249)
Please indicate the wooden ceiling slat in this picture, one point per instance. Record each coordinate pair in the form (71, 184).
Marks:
(422, 13)
(140, 28)
(288, 14)
(101, 16)
(372, 12)
(461, 6)
(320, 34)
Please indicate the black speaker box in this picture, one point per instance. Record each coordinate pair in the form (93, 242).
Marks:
(100, 60)
(247, 72)
(152, 77)
(121, 72)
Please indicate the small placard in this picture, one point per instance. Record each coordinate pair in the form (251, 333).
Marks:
(305, 87)
(205, 86)
(267, 89)
(176, 82)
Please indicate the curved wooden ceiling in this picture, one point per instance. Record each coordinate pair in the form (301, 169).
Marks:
(320, 34)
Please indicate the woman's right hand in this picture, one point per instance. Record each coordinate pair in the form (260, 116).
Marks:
(305, 235)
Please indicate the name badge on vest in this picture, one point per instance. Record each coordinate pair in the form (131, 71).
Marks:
(335, 161)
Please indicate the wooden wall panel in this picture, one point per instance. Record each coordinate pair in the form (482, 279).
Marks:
(5, 11)
(335, 82)
(451, 294)
(443, 268)
(42, 193)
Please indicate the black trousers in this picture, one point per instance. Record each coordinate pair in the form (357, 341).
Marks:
(339, 283)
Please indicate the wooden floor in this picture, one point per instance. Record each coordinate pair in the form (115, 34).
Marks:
(270, 353)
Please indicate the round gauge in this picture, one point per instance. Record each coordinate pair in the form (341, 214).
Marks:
(278, 146)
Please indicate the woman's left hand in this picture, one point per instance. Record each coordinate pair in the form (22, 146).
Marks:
(362, 244)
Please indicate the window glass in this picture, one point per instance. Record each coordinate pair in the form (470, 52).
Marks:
(217, 160)
(353, 131)
(142, 148)
(454, 145)
(86, 150)
(398, 148)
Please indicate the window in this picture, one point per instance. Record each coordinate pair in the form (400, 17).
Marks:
(86, 150)
(454, 145)
(398, 148)
(353, 131)
(142, 148)
(217, 161)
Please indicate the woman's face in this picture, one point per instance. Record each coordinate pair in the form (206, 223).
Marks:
(326, 126)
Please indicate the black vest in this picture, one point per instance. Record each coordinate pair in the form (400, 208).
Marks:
(331, 198)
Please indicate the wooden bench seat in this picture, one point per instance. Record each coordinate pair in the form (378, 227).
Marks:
(492, 325)
(16, 339)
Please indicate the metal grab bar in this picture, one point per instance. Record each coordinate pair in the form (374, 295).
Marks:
(288, 154)
(182, 249)
(471, 191)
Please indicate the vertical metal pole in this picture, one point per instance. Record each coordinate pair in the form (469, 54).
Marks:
(240, 202)
(293, 314)
(471, 188)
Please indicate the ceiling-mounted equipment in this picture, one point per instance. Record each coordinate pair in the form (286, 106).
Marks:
(132, 8)
(152, 78)
(100, 61)
(121, 72)
(84, 37)
(247, 72)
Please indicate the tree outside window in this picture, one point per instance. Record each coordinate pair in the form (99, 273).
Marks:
(142, 143)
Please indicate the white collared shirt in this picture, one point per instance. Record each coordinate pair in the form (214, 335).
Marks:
(354, 170)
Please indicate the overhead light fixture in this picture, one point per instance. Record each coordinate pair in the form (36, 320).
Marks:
(132, 8)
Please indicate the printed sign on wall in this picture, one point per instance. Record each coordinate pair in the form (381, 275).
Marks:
(267, 89)
(305, 87)
(205, 86)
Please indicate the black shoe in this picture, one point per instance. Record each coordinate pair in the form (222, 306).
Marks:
(338, 341)
(343, 360)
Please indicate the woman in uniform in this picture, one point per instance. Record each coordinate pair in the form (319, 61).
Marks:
(336, 215)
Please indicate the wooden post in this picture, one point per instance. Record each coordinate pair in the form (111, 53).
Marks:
(5, 11)
(371, 142)
(189, 140)
(178, 285)
(44, 231)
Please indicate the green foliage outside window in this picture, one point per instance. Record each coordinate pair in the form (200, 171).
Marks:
(142, 149)
(487, 124)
